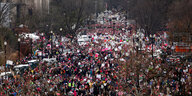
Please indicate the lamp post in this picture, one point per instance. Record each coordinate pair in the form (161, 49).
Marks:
(152, 38)
(51, 43)
(5, 44)
(31, 46)
(133, 40)
(113, 28)
(140, 44)
(137, 42)
(42, 44)
(47, 30)
(19, 40)
(61, 29)
(140, 41)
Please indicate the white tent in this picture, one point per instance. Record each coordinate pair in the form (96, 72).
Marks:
(3, 73)
(31, 35)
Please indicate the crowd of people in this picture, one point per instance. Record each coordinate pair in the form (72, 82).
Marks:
(86, 70)
(97, 68)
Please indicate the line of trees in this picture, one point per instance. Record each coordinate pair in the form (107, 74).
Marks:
(70, 15)
(158, 15)
(180, 21)
(6, 33)
(153, 16)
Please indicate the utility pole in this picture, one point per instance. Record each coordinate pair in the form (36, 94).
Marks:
(5, 50)
(19, 40)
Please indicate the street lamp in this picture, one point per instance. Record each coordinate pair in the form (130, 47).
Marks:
(133, 37)
(47, 30)
(5, 44)
(42, 42)
(61, 29)
(140, 41)
(19, 40)
(113, 27)
(152, 38)
(51, 43)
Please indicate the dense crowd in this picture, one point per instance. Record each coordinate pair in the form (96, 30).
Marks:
(98, 68)
(86, 70)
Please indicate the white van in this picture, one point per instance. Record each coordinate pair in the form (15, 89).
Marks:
(19, 69)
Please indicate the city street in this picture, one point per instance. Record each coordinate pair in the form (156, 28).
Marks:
(106, 54)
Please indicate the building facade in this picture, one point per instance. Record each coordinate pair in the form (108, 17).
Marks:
(21, 8)
(38, 5)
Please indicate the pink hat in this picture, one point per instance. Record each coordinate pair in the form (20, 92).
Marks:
(58, 94)
(48, 44)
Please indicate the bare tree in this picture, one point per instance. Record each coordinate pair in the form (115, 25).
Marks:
(4, 12)
(70, 15)
(151, 15)
(117, 4)
(180, 23)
